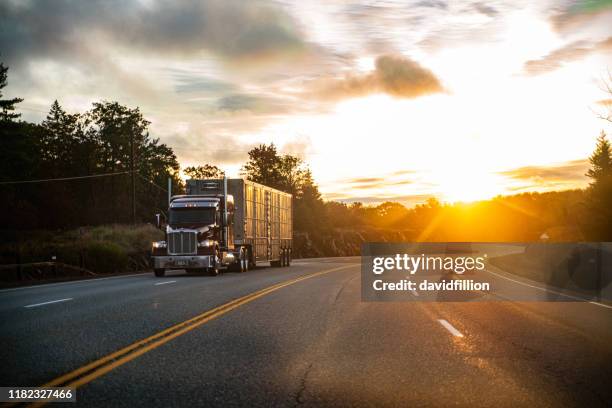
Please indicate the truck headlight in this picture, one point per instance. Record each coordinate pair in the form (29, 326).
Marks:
(206, 243)
(159, 244)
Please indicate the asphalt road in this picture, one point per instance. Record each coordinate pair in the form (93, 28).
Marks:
(310, 343)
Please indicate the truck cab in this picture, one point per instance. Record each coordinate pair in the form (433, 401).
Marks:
(199, 236)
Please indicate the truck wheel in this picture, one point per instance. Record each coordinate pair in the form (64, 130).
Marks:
(278, 263)
(214, 270)
(284, 257)
(251, 258)
(159, 272)
(243, 260)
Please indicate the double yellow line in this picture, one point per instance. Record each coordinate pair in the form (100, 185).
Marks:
(98, 368)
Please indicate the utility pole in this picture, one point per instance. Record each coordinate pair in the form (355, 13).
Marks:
(133, 178)
(169, 190)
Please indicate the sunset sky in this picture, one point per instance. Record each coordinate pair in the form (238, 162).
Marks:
(385, 100)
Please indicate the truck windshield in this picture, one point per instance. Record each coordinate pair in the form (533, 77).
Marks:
(185, 217)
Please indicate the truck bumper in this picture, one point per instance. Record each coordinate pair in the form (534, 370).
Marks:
(182, 261)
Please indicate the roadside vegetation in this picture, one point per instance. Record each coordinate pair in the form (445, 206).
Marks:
(101, 249)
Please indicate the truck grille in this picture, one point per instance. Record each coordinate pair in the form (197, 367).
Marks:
(182, 243)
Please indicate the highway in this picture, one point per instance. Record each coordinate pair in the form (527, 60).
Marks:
(299, 336)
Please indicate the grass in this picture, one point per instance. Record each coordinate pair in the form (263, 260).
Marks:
(101, 249)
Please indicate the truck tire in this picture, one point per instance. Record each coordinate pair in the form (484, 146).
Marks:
(214, 270)
(284, 257)
(159, 272)
(243, 260)
(251, 258)
(278, 263)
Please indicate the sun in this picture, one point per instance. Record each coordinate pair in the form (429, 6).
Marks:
(467, 177)
(467, 186)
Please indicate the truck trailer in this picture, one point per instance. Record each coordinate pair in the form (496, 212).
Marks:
(224, 224)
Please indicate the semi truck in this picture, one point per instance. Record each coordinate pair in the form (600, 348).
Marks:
(224, 224)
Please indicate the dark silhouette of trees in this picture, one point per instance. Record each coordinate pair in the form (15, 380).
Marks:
(601, 161)
(290, 174)
(76, 146)
(263, 165)
(600, 190)
(284, 172)
(7, 106)
(207, 171)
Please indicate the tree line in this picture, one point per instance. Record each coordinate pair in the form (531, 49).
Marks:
(75, 169)
(105, 140)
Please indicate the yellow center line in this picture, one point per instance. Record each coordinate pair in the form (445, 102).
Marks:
(98, 368)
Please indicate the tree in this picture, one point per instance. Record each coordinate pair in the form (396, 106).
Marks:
(7, 106)
(62, 132)
(284, 172)
(94, 143)
(288, 173)
(601, 160)
(19, 160)
(207, 171)
(263, 166)
(293, 177)
(600, 190)
(391, 214)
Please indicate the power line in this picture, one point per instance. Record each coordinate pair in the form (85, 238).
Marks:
(151, 182)
(63, 178)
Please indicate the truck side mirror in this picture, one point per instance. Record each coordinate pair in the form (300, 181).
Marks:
(158, 220)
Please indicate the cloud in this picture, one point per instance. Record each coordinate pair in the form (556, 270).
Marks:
(407, 200)
(393, 179)
(394, 75)
(367, 180)
(199, 148)
(462, 23)
(252, 103)
(569, 172)
(580, 13)
(604, 102)
(485, 9)
(571, 52)
(299, 146)
(229, 28)
(403, 172)
(432, 4)
(197, 84)
(147, 53)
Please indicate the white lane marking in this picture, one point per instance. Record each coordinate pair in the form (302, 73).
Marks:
(550, 291)
(90, 280)
(49, 302)
(450, 328)
(163, 283)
